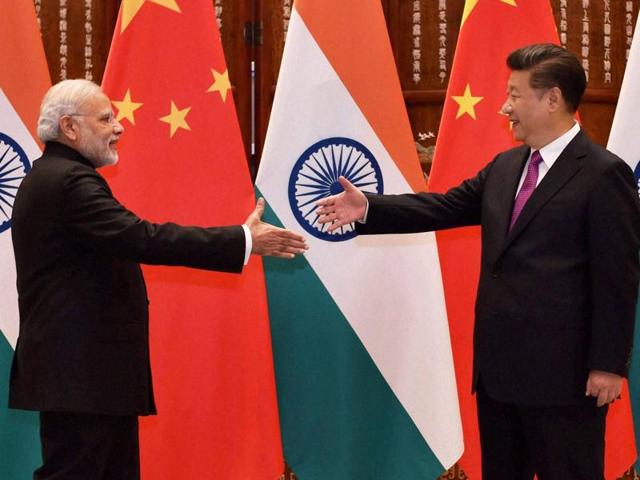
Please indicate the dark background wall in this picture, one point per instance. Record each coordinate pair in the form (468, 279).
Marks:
(77, 35)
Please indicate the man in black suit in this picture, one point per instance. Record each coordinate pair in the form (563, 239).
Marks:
(82, 355)
(556, 298)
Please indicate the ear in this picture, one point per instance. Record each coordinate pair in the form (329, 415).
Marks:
(555, 99)
(68, 128)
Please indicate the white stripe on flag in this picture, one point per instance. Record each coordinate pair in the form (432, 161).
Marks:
(624, 139)
(11, 125)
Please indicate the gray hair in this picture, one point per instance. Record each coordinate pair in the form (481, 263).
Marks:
(62, 99)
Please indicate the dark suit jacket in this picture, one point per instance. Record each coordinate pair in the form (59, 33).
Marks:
(83, 341)
(557, 294)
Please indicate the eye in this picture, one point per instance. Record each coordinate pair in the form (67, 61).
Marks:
(108, 118)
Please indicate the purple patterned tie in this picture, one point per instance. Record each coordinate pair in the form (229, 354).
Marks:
(528, 186)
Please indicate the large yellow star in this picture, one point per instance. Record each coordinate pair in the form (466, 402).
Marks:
(466, 103)
(126, 107)
(220, 84)
(469, 5)
(177, 119)
(130, 9)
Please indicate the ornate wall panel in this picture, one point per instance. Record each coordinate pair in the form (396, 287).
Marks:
(77, 35)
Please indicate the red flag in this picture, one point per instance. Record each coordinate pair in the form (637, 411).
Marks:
(471, 133)
(182, 160)
(23, 82)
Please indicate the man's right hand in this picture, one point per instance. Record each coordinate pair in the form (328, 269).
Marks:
(346, 207)
(272, 241)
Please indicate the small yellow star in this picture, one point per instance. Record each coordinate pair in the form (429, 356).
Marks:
(469, 5)
(177, 119)
(126, 107)
(220, 84)
(466, 103)
(130, 9)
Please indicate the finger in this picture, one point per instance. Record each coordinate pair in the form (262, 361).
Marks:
(279, 254)
(289, 236)
(588, 390)
(602, 397)
(280, 241)
(296, 247)
(346, 184)
(293, 250)
(259, 210)
(325, 202)
(335, 225)
(327, 218)
(327, 209)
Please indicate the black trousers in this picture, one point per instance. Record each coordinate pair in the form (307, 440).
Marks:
(79, 446)
(555, 443)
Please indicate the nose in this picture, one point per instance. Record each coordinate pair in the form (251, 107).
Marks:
(117, 127)
(506, 108)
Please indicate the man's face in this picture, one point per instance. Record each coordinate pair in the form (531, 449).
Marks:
(527, 108)
(98, 132)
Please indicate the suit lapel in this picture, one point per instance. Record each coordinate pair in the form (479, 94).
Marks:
(564, 168)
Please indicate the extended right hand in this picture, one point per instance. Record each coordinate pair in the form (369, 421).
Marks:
(270, 240)
(343, 208)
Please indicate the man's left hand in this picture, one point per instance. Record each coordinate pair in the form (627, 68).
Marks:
(604, 385)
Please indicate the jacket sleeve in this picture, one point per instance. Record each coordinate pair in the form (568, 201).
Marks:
(423, 212)
(614, 240)
(93, 217)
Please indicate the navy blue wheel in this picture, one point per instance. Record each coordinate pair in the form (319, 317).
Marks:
(14, 165)
(315, 176)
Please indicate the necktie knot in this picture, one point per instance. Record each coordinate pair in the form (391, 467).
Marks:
(536, 158)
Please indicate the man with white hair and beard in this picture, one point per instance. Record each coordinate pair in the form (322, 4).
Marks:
(82, 356)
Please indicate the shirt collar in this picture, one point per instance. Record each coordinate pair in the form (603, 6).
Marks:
(551, 151)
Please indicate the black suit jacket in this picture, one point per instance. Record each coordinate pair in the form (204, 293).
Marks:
(83, 340)
(557, 294)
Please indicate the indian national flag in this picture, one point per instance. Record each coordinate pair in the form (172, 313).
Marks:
(364, 369)
(624, 141)
(22, 86)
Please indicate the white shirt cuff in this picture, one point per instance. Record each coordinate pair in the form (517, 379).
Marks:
(366, 213)
(248, 243)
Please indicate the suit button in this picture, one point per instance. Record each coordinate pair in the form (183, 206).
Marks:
(495, 274)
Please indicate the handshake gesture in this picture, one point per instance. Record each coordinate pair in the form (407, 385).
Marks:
(270, 240)
(337, 210)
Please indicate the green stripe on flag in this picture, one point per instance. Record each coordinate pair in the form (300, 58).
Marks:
(339, 417)
(19, 437)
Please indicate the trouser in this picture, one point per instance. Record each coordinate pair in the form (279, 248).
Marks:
(555, 443)
(88, 447)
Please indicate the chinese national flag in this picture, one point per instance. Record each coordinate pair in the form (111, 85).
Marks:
(471, 133)
(182, 160)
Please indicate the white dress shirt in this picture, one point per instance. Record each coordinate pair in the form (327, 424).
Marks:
(550, 153)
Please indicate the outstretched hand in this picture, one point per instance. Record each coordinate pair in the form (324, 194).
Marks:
(343, 208)
(270, 240)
